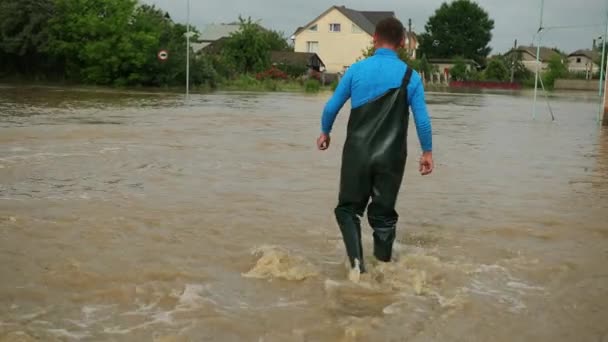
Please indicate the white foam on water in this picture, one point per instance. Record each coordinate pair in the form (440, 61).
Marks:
(395, 308)
(354, 274)
(68, 334)
(523, 286)
(33, 315)
(109, 149)
(277, 262)
(19, 149)
(7, 324)
(158, 318)
(497, 282)
(93, 314)
(41, 156)
(40, 322)
(192, 296)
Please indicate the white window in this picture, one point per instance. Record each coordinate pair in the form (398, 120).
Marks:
(312, 47)
(335, 27)
(314, 28)
(357, 29)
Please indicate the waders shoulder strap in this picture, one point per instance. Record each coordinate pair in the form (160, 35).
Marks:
(407, 77)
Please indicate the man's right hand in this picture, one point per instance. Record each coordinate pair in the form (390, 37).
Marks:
(426, 163)
(323, 142)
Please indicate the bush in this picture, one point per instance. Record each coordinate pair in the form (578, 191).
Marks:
(292, 70)
(312, 86)
(496, 71)
(272, 74)
(557, 69)
(459, 70)
(334, 85)
(245, 82)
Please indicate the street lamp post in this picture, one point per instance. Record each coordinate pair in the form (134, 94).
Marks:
(603, 73)
(188, 50)
(540, 29)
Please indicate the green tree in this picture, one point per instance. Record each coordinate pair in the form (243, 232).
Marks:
(403, 54)
(116, 42)
(460, 28)
(248, 49)
(425, 67)
(459, 72)
(514, 63)
(24, 35)
(93, 38)
(558, 68)
(497, 70)
(277, 41)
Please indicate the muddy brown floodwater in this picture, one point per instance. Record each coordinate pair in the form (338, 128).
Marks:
(142, 217)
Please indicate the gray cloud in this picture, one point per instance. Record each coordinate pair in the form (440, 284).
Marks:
(515, 19)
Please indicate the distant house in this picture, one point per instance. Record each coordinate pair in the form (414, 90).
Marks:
(528, 55)
(444, 65)
(304, 59)
(212, 36)
(584, 61)
(340, 34)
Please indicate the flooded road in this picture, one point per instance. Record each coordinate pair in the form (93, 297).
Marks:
(140, 217)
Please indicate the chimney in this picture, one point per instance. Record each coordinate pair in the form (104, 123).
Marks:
(409, 25)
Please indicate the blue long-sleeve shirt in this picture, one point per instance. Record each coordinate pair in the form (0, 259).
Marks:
(373, 77)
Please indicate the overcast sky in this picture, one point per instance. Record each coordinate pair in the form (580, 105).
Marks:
(514, 19)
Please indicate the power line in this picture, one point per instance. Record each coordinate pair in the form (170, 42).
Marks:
(569, 27)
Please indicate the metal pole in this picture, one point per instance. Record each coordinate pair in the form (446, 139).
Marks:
(514, 55)
(602, 116)
(188, 51)
(602, 71)
(540, 29)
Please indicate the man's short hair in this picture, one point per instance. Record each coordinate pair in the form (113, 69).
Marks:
(391, 31)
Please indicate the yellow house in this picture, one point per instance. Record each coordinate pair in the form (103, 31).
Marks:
(340, 34)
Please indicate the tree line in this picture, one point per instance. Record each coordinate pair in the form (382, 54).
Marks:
(116, 42)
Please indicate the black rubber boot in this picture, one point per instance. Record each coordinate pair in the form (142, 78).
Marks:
(350, 226)
(384, 236)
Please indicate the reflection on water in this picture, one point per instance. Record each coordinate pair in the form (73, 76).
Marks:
(140, 216)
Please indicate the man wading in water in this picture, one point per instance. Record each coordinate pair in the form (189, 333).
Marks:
(381, 89)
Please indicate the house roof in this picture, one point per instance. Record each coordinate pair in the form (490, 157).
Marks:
(453, 61)
(214, 32)
(545, 53)
(591, 54)
(366, 20)
(295, 58)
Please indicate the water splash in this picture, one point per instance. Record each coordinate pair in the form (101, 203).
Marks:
(277, 262)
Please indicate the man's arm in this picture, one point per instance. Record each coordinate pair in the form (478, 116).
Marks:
(423, 127)
(421, 117)
(337, 101)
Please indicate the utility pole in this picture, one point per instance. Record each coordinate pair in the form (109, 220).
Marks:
(605, 109)
(188, 50)
(540, 29)
(602, 75)
(513, 58)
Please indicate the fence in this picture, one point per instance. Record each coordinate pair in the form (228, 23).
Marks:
(485, 85)
(585, 85)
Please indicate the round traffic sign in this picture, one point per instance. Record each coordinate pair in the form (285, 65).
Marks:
(163, 55)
